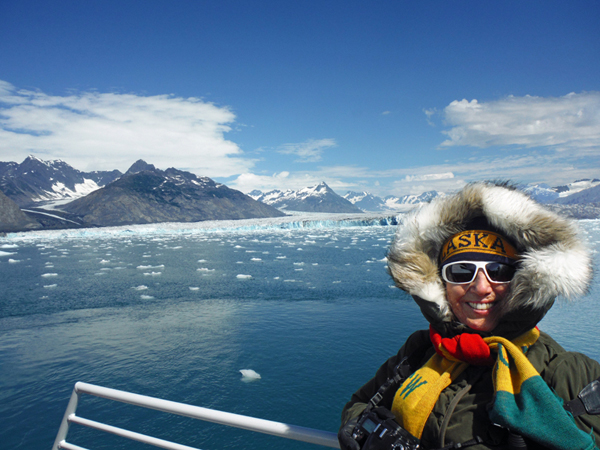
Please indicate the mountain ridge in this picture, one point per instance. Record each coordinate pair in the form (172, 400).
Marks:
(318, 198)
(52, 194)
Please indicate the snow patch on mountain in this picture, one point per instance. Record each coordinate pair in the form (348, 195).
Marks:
(319, 198)
(369, 202)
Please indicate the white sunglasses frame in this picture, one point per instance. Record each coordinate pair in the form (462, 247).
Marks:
(478, 265)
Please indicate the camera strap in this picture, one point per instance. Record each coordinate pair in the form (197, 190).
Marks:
(402, 371)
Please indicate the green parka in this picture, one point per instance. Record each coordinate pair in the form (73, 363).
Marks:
(553, 262)
(460, 413)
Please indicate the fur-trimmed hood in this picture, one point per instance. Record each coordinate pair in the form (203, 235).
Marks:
(554, 261)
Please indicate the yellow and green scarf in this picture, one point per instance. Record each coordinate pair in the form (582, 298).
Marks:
(523, 402)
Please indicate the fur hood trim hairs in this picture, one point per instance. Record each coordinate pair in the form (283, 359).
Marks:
(554, 261)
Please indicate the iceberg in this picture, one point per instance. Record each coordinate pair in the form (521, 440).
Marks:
(249, 375)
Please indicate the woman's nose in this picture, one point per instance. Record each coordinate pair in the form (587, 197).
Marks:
(481, 283)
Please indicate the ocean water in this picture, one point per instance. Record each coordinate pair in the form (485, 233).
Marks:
(177, 312)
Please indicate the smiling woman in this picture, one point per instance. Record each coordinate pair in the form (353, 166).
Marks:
(484, 265)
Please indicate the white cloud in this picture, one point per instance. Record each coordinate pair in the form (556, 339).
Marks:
(571, 122)
(309, 151)
(429, 177)
(282, 181)
(101, 131)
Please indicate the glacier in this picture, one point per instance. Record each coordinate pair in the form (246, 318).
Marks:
(291, 222)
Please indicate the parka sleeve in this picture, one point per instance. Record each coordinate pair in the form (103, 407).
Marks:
(567, 375)
(358, 402)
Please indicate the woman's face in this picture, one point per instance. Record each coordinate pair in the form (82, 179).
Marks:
(476, 304)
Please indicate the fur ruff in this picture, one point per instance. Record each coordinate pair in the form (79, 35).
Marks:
(554, 262)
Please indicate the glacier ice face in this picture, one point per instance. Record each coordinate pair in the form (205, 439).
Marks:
(276, 224)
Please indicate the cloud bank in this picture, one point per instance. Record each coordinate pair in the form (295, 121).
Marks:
(570, 123)
(104, 131)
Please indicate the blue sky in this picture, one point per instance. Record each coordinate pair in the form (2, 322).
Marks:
(391, 97)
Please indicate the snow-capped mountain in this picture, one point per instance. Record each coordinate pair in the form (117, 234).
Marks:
(366, 201)
(541, 193)
(575, 187)
(576, 192)
(149, 195)
(319, 198)
(34, 181)
(369, 202)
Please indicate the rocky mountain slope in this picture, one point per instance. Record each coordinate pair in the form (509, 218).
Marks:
(35, 181)
(319, 198)
(154, 196)
(12, 218)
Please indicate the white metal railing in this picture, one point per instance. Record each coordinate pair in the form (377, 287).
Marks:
(325, 438)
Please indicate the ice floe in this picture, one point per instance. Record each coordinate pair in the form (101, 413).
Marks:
(242, 276)
(249, 375)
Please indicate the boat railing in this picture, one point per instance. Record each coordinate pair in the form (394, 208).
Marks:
(312, 436)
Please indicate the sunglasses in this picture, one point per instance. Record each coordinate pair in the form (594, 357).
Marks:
(464, 272)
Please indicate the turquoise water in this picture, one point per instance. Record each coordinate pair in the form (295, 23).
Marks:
(177, 315)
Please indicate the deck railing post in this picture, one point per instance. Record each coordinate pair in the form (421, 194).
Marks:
(64, 425)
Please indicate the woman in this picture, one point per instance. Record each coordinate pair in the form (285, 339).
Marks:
(485, 265)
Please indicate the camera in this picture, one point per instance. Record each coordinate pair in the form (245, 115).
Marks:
(374, 433)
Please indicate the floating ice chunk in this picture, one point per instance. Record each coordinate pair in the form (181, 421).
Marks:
(13, 261)
(298, 263)
(194, 288)
(50, 286)
(6, 253)
(255, 259)
(249, 375)
(146, 297)
(9, 246)
(141, 287)
(315, 264)
(202, 261)
(105, 261)
(161, 266)
(336, 282)
(241, 276)
(152, 274)
(205, 269)
(281, 257)
(46, 275)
